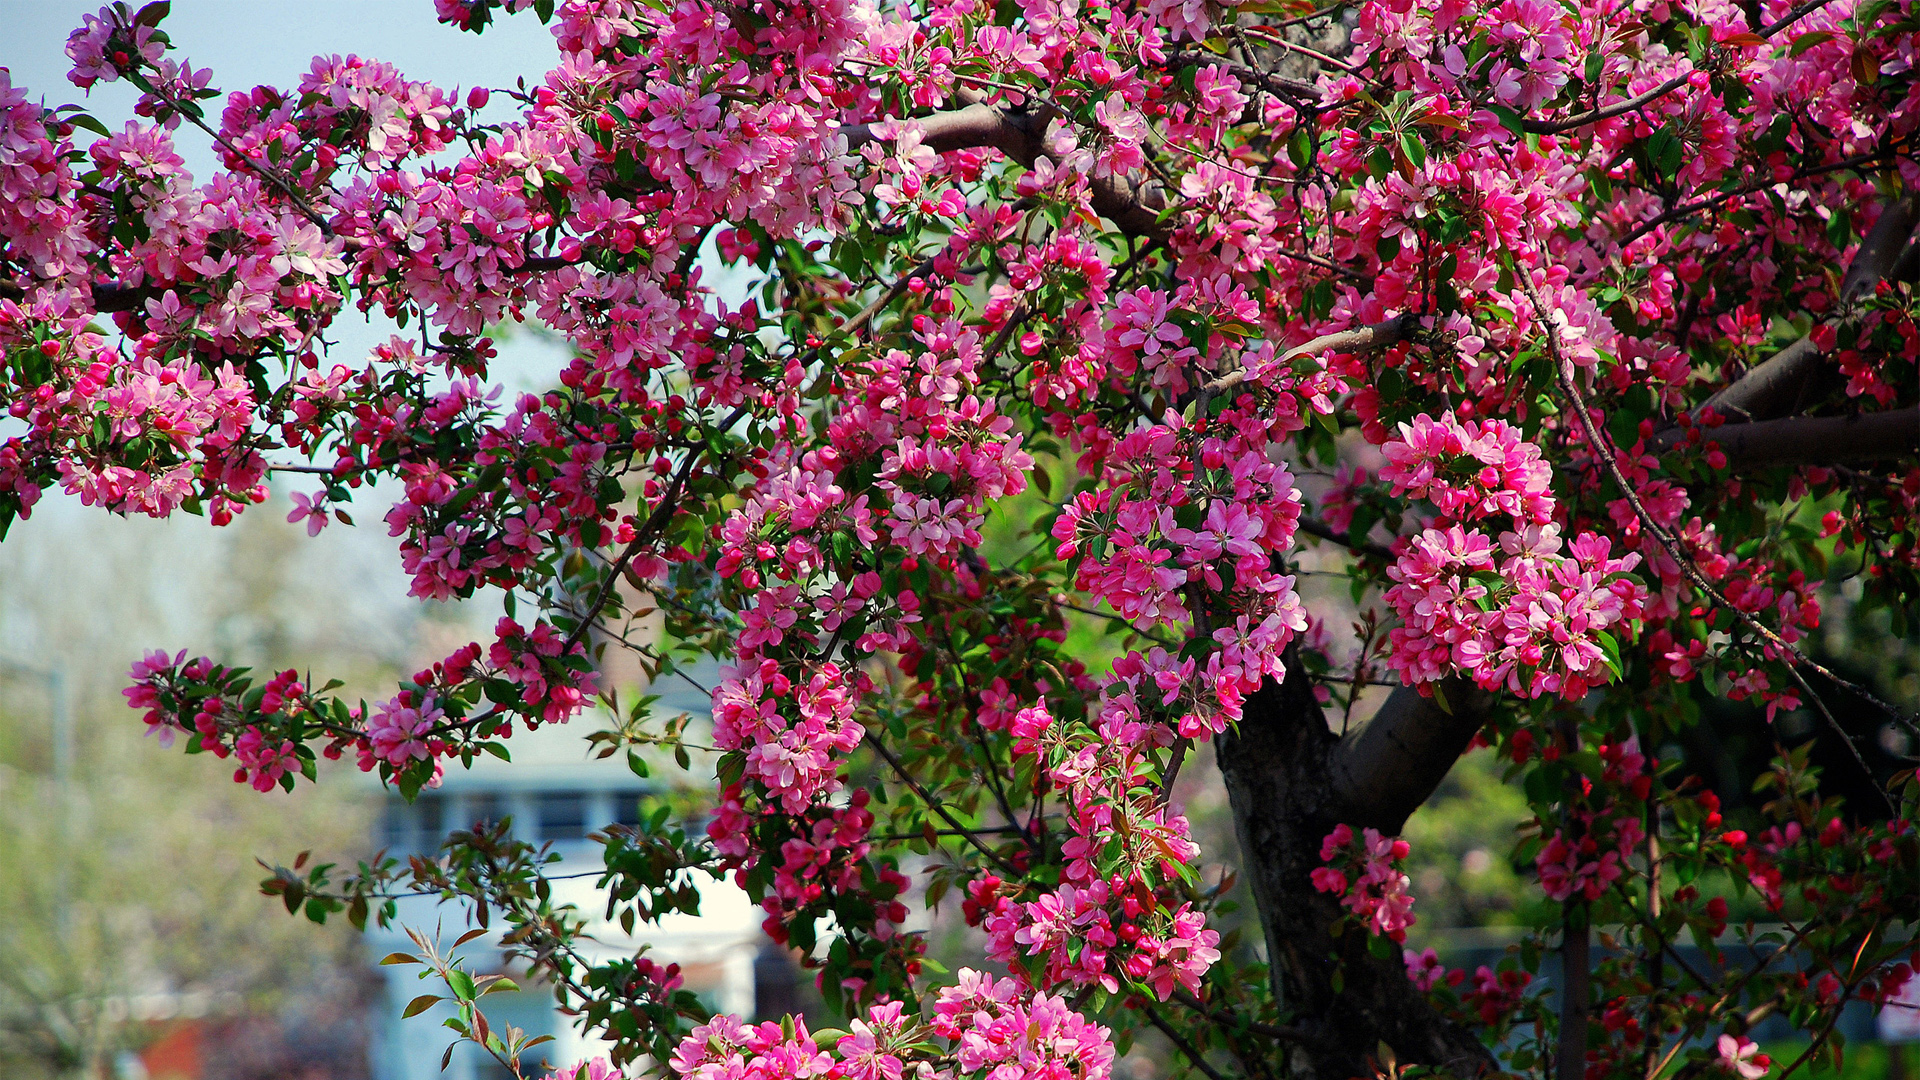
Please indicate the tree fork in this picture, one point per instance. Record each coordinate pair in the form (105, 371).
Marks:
(1282, 767)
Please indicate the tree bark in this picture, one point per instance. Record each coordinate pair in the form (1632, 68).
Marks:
(1763, 392)
(1283, 769)
(1021, 135)
(1810, 440)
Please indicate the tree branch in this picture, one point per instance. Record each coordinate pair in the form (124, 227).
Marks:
(1880, 249)
(1387, 768)
(1576, 976)
(1762, 390)
(1377, 336)
(649, 530)
(1689, 209)
(1195, 1056)
(1021, 134)
(1276, 766)
(109, 298)
(1296, 90)
(1809, 440)
(1619, 108)
(1609, 459)
(934, 804)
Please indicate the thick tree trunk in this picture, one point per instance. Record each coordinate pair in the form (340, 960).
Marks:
(1285, 773)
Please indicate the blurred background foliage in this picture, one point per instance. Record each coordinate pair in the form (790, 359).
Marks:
(128, 886)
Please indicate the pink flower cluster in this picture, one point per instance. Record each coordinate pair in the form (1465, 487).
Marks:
(408, 734)
(1002, 1032)
(1105, 920)
(1186, 515)
(789, 750)
(997, 1030)
(555, 681)
(1497, 995)
(403, 730)
(136, 436)
(1585, 861)
(263, 760)
(167, 686)
(1184, 505)
(1470, 470)
(1425, 970)
(592, 1069)
(831, 856)
(1741, 1057)
(1522, 617)
(41, 224)
(1085, 938)
(390, 117)
(1368, 876)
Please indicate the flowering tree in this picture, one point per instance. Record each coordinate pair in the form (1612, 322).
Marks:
(1612, 301)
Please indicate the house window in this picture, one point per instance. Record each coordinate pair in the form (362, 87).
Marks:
(563, 816)
(483, 807)
(429, 810)
(409, 828)
(626, 806)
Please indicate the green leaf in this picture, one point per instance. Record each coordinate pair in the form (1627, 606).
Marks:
(1665, 151)
(419, 1005)
(1300, 147)
(461, 984)
(1509, 119)
(84, 120)
(1611, 647)
(1809, 40)
(1415, 150)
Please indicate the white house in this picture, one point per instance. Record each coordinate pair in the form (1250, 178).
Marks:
(553, 792)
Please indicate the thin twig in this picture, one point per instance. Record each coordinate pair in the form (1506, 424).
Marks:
(1792, 17)
(270, 174)
(934, 804)
(1602, 448)
(1357, 339)
(1271, 1031)
(1179, 1040)
(669, 502)
(1689, 209)
(1122, 620)
(1316, 527)
(1620, 108)
(1276, 38)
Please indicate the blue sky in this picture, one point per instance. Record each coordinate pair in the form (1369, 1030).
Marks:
(253, 42)
(250, 42)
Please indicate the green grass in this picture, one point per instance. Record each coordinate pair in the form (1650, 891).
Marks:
(1859, 1061)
